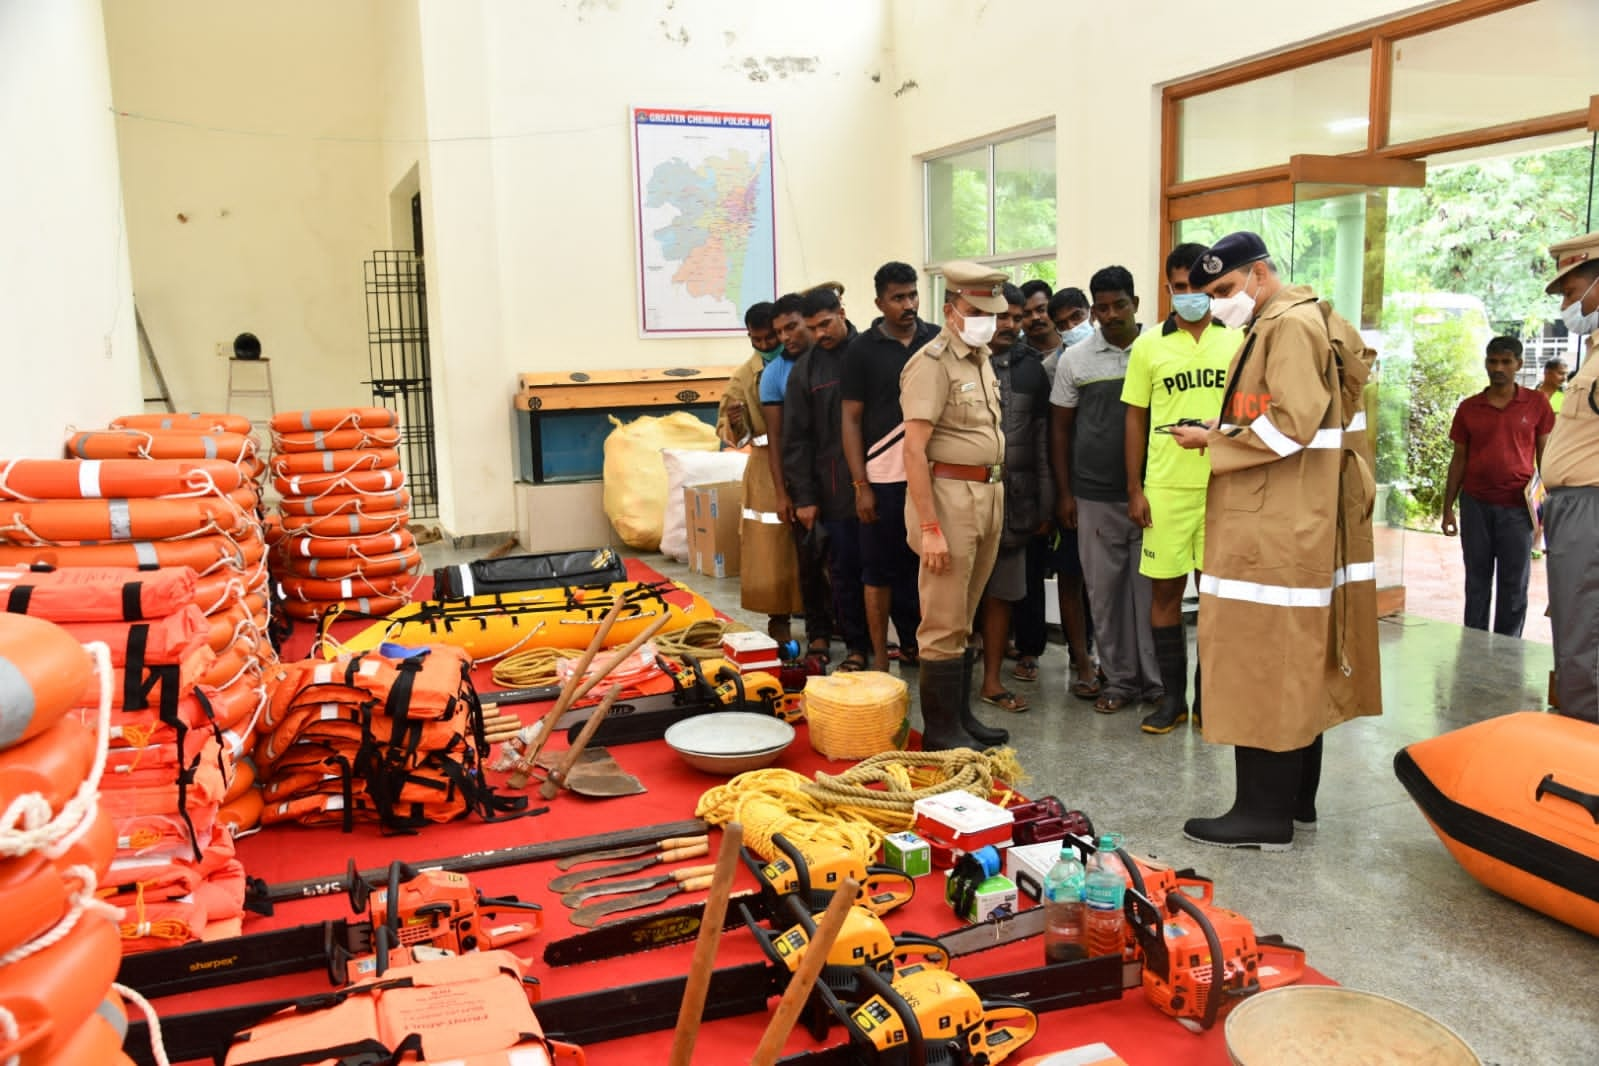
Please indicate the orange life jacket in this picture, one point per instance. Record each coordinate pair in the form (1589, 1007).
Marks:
(96, 594)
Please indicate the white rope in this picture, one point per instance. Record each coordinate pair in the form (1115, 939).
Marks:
(158, 1047)
(27, 824)
(9, 1032)
(82, 902)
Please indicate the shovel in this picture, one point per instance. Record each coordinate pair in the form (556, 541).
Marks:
(596, 774)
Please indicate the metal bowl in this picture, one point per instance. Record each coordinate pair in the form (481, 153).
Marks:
(1319, 1025)
(730, 742)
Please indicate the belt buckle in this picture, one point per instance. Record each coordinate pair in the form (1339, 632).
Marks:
(996, 473)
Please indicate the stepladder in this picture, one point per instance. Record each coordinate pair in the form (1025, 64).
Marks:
(250, 393)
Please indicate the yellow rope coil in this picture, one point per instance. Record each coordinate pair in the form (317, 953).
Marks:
(701, 640)
(845, 808)
(534, 668)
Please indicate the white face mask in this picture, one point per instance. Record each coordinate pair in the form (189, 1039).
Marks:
(1235, 310)
(1575, 320)
(977, 330)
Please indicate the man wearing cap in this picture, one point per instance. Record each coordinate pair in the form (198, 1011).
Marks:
(1288, 600)
(955, 506)
(1570, 470)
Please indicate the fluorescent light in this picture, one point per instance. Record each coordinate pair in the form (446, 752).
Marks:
(1348, 125)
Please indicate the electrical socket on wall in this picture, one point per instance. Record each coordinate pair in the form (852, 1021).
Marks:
(223, 349)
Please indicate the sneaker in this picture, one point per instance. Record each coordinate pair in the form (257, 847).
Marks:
(1165, 718)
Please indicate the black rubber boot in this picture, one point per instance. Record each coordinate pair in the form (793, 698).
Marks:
(1171, 656)
(985, 734)
(1199, 691)
(1262, 814)
(1309, 782)
(941, 698)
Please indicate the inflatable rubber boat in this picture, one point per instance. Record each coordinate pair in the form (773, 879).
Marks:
(1516, 801)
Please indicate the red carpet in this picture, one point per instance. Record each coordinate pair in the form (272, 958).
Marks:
(1141, 1035)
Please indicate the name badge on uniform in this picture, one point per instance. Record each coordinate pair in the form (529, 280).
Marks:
(966, 386)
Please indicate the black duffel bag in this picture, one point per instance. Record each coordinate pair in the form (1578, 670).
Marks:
(517, 573)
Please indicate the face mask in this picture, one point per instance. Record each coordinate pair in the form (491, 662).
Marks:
(1190, 306)
(978, 330)
(1078, 333)
(1575, 320)
(1235, 310)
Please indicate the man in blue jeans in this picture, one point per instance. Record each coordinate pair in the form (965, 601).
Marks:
(1499, 436)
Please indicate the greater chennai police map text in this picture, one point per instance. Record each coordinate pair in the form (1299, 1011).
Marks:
(705, 219)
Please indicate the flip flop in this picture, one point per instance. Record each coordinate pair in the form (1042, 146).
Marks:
(1088, 690)
(1006, 700)
(852, 663)
(1110, 704)
(1026, 669)
(820, 646)
(910, 657)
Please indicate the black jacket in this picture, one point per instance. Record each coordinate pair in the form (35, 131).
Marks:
(813, 433)
(1024, 418)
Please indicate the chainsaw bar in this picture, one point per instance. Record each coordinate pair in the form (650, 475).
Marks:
(208, 963)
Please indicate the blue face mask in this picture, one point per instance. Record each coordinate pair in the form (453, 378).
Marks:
(1078, 333)
(1190, 306)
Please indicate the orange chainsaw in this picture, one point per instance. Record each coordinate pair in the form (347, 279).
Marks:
(1201, 960)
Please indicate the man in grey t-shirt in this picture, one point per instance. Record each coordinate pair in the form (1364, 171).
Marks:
(1087, 431)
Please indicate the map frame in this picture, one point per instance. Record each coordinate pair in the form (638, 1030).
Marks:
(691, 123)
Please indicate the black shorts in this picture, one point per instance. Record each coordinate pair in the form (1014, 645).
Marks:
(1063, 560)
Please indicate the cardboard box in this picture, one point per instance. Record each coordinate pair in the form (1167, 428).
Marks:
(712, 513)
(909, 853)
(994, 898)
(1029, 864)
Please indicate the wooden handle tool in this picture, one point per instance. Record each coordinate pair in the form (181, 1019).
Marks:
(555, 779)
(810, 968)
(524, 766)
(692, 1010)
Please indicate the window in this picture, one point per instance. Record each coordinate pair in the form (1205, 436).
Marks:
(993, 203)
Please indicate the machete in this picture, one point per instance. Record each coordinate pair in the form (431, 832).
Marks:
(308, 888)
(578, 896)
(692, 848)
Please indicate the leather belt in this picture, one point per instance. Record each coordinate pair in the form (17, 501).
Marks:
(969, 472)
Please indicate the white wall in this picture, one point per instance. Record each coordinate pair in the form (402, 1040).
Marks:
(1101, 77)
(252, 173)
(67, 340)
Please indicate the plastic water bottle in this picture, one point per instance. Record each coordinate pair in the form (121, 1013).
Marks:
(1063, 909)
(1104, 886)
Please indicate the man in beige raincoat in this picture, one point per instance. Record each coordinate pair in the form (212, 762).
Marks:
(1288, 603)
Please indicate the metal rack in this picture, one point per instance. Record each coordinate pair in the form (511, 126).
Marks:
(402, 372)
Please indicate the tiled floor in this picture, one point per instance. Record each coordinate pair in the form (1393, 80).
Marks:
(1372, 895)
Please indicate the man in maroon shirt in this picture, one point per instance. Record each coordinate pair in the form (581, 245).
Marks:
(1499, 436)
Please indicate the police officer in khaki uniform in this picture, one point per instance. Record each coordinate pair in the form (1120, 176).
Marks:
(1570, 472)
(955, 496)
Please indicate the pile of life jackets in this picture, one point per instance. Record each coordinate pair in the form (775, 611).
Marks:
(169, 767)
(341, 542)
(393, 736)
(59, 944)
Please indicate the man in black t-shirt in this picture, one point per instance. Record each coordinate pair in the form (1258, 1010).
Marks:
(874, 434)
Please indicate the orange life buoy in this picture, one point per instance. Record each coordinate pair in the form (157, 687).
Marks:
(288, 464)
(339, 503)
(235, 704)
(333, 569)
(53, 764)
(317, 440)
(344, 525)
(49, 521)
(329, 418)
(43, 671)
(373, 606)
(242, 813)
(95, 848)
(98, 1040)
(244, 778)
(353, 481)
(36, 899)
(93, 479)
(306, 546)
(95, 594)
(52, 993)
(196, 421)
(310, 589)
(160, 444)
(232, 662)
(203, 555)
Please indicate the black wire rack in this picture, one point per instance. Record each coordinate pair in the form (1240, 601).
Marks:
(402, 370)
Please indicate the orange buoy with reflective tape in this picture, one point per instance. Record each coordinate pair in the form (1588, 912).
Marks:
(346, 525)
(93, 479)
(117, 518)
(334, 569)
(317, 440)
(372, 606)
(291, 463)
(193, 421)
(348, 482)
(160, 444)
(306, 546)
(52, 993)
(43, 671)
(200, 554)
(331, 418)
(339, 503)
(308, 588)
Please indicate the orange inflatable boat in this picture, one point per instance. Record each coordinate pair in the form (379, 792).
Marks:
(1516, 801)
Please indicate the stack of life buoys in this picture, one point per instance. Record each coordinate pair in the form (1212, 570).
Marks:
(146, 495)
(395, 738)
(59, 943)
(166, 771)
(341, 541)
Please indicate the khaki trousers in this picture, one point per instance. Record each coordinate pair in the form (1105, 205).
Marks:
(972, 515)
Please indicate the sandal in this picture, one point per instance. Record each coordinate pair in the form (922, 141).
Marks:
(852, 663)
(1088, 690)
(1026, 669)
(910, 657)
(1110, 704)
(820, 646)
(893, 652)
(1006, 700)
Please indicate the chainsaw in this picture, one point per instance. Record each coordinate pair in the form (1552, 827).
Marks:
(641, 718)
(430, 908)
(806, 875)
(1200, 960)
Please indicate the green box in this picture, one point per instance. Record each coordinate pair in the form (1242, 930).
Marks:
(994, 898)
(908, 852)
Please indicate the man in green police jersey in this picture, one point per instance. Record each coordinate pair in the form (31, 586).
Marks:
(1175, 373)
